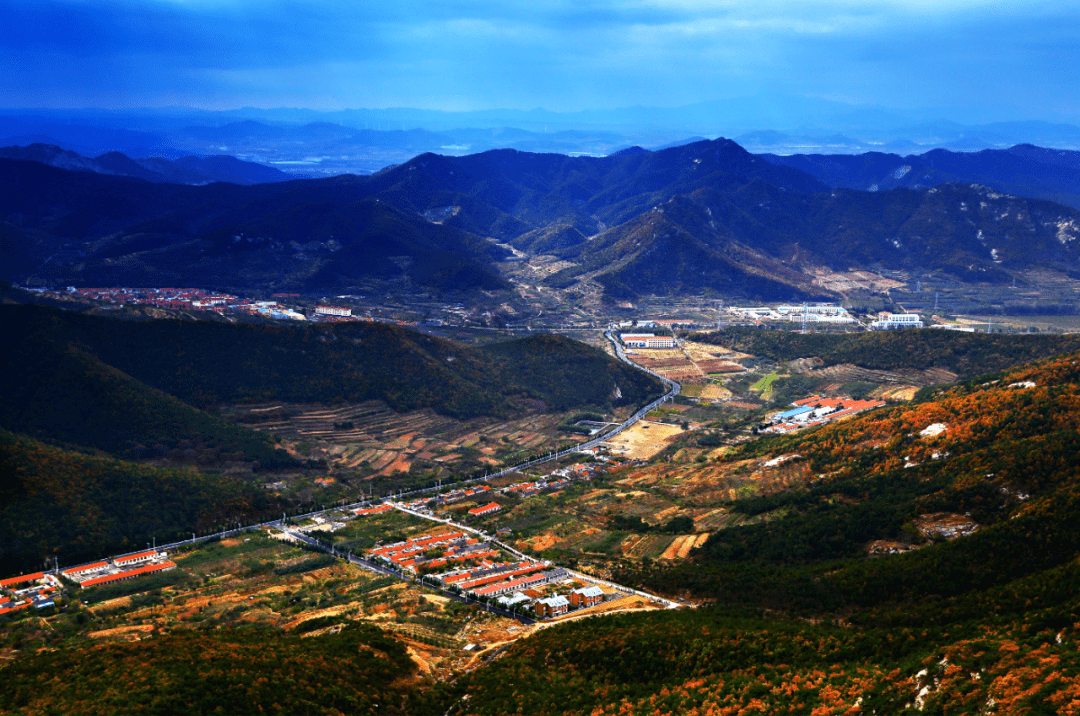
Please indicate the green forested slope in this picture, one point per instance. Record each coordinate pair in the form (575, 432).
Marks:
(208, 364)
(797, 618)
(356, 671)
(58, 503)
(967, 354)
(58, 391)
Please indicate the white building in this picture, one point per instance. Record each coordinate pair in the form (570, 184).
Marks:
(888, 321)
(333, 311)
(646, 340)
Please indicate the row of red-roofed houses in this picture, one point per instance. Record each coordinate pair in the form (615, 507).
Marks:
(488, 509)
(520, 584)
(119, 569)
(456, 547)
(458, 495)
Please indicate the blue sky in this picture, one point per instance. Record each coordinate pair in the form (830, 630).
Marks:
(969, 58)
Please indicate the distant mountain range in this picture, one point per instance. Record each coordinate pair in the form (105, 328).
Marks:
(362, 141)
(704, 216)
(1023, 170)
(185, 170)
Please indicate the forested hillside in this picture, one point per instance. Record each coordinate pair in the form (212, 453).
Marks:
(998, 451)
(356, 671)
(803, 616)
(799, 610)
(75, 507)
(967, 354)
(56, 390)
(208, 364)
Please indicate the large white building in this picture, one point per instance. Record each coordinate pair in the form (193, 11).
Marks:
(333, 311)
(646, 340)
(888, 321)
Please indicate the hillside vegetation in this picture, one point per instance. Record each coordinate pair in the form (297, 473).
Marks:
(57, 391)
(795, 613)
(1005, 462)
(208, 364)
(359, 670)
(966, 354)
(75, 507)
(987, 622)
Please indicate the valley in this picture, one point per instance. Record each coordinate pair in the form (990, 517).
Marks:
(611, 435)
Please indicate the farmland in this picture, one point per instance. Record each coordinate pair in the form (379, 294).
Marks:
(263, 581)
(366, 446)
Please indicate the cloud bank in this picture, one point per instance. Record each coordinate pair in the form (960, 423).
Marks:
(978, 60)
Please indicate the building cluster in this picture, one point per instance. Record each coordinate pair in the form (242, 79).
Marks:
(817, 410)
(433, 551)
(428, 504)
(28, 590)
(557, 605)
(282, 307)
(39, 589)
(120, 569)
(468, 565)
(373, 510)
(818, 313)
(187, 299)
(485, 510)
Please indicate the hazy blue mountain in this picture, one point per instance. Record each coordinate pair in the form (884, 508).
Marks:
(88, 228)
(1023, 170)
(185, 170)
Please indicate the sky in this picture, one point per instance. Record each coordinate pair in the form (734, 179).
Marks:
(973, 60)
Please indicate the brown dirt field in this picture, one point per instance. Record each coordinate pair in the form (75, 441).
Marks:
(542, 542)
(714, 391)
(328, 612)
(112, 604)
(688, 544)
(401, 443)
(643, 440)
(402, 464)
(747, 406)
(383, 460)
(663, 514)
(904, 393)
(642, 545)
(137, 631)
(627, 545)
(423, 664)
(673, 548)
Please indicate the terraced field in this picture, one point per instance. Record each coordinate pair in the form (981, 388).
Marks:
(372, 439)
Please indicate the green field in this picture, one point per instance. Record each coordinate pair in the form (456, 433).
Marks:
(765, 385)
